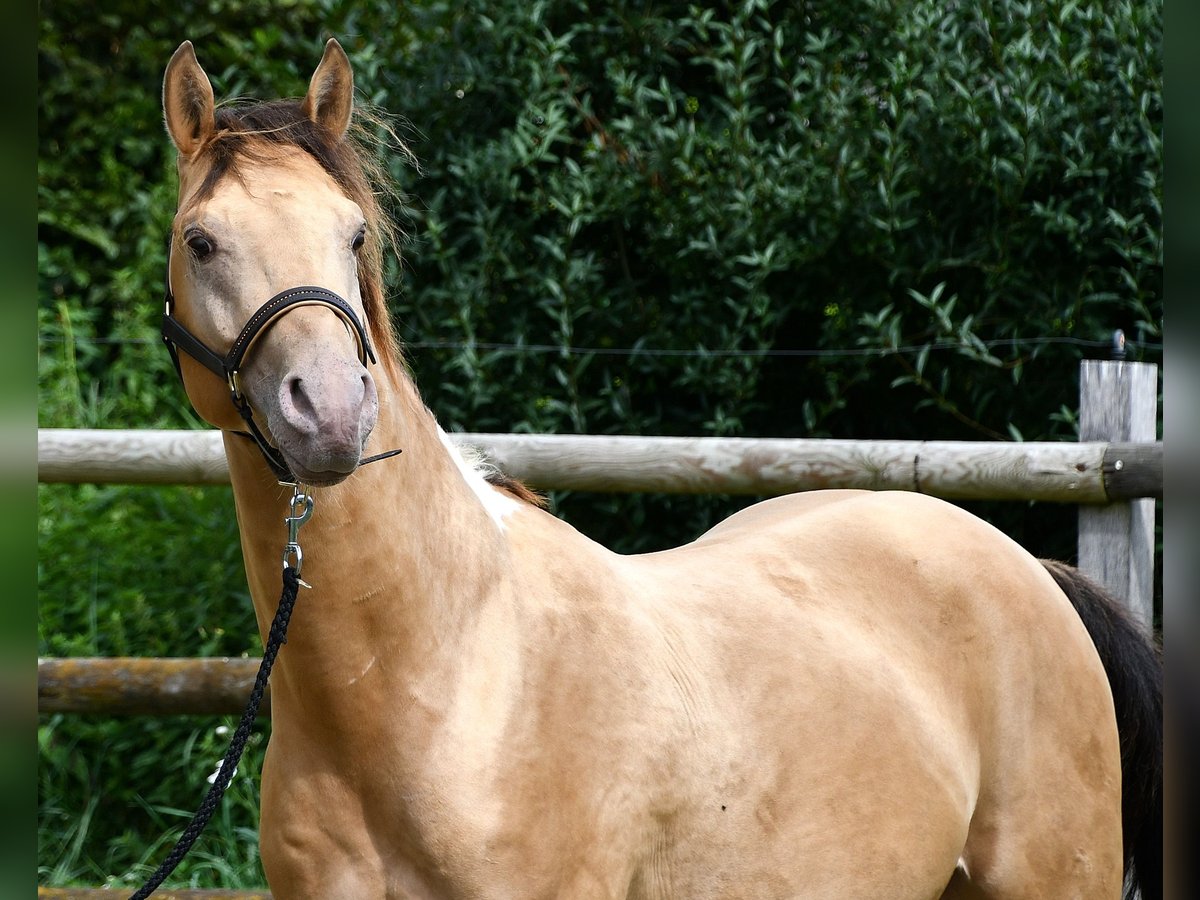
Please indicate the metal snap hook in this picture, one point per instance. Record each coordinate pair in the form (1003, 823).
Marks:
(301, 508)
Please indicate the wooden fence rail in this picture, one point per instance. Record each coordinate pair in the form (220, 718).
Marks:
(138, 686)
(51, 893)
(1087, 472)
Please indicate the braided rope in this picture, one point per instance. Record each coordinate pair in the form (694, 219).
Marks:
(275, 639)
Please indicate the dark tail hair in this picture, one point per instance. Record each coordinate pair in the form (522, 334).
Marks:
(1133, 662)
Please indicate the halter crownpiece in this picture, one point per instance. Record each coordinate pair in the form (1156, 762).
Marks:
(228, 367)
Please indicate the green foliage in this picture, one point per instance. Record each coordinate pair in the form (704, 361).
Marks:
(772, 177)
(140, 572)
(919, 193)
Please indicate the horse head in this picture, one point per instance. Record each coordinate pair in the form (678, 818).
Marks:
(271, 197)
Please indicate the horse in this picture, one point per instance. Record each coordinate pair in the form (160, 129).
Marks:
(834, 694)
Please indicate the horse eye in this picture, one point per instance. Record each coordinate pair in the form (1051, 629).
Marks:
(359, 240)
(200, 246)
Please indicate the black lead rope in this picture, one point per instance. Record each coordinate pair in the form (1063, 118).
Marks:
(275, 639)
(301, 508)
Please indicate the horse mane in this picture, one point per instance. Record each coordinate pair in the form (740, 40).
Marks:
(254, 131)
(517, 489)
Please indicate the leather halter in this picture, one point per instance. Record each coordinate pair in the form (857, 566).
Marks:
(227, 367)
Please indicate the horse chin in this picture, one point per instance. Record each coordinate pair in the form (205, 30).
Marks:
(327, 473)
(321, 460)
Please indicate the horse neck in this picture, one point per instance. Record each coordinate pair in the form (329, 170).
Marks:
(401, 555)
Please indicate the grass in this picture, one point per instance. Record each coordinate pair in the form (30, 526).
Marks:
(145, 572)
(101, 825)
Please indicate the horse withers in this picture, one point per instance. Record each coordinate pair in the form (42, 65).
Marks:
(838, 694)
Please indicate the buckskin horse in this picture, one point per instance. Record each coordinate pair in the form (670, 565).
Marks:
(836, 694)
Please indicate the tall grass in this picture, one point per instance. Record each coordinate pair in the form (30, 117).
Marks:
(78, 844)
(141, 572)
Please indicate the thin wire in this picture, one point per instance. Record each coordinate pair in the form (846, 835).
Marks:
(699, 352)
(702, 352)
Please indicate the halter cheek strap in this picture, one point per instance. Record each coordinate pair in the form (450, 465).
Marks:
(228, 367)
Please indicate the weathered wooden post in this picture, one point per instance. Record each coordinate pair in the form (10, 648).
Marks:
(1118, 402)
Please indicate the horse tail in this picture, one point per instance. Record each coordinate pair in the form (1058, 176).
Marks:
(1133, 662)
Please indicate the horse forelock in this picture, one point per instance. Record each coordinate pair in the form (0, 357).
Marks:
(253, 133)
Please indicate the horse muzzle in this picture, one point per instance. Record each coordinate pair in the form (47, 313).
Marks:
(321, 416)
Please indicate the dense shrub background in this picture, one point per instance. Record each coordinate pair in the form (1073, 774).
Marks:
(854, 219)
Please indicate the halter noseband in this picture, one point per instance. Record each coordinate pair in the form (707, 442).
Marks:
(227, 367)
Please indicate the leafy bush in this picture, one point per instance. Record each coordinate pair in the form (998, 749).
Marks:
(858, 220)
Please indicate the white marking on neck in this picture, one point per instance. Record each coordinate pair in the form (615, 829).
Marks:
(474, 469)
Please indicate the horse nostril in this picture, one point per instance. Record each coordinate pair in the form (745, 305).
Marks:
(296, 400)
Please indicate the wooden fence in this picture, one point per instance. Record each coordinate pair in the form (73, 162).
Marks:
(1092, 472)
(1114, 473)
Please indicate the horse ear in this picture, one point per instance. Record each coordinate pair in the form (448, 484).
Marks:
(330, 98)
(187, 101)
